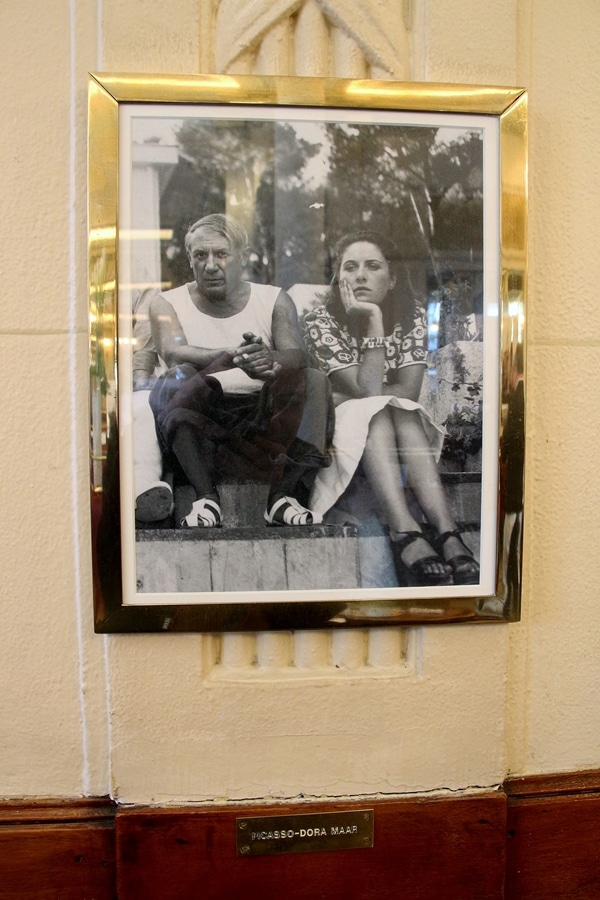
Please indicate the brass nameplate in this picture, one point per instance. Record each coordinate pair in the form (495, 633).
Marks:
(306, 833)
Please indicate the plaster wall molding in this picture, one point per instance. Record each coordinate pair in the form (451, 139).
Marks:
(353, 38)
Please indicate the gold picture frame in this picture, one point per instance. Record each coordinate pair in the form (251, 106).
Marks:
(143, 576)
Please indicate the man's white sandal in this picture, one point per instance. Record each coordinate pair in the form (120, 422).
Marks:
(205, 514)
(287, 511)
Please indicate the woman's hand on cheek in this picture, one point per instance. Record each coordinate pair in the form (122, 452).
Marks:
(368, 313)
(349, 301)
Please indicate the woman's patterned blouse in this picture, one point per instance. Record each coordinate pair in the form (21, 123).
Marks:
(333, 348)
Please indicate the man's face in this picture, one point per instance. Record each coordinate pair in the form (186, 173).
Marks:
(217, 267)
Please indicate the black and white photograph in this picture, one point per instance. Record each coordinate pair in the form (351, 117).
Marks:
(308, 357)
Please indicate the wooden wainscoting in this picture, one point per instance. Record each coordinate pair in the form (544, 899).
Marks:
(423, 849)
(537, 838)
(553, 846)
(57, 849)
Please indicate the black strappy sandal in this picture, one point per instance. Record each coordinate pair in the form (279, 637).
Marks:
(464, 566)
(419, 573)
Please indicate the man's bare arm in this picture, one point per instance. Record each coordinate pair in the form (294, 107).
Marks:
(171, 343)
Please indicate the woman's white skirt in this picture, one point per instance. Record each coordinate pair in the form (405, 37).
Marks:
(352, 421)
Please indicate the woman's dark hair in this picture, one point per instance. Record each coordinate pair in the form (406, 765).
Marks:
(400, 307)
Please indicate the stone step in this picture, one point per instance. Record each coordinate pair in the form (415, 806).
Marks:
(247, 558)
(240, 559)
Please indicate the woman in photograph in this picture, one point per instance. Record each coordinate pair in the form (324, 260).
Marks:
(373, 346)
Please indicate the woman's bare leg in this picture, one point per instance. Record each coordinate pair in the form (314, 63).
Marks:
(382, 468)
(421, 469)
(424, 478)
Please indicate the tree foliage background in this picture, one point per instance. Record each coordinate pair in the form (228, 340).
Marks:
(299, 189)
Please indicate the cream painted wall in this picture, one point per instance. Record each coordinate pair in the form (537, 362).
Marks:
(553, 720)
(147, 718)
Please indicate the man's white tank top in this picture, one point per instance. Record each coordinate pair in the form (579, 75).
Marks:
(201, 330)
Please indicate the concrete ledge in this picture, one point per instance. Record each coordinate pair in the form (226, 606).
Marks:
(315, 557)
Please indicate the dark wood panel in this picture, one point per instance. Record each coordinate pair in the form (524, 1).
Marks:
(553, 783)
(50, 810)
(73, 862)
(553, 849)
(424, 849)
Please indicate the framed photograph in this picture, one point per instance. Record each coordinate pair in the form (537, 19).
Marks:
(307, 331)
